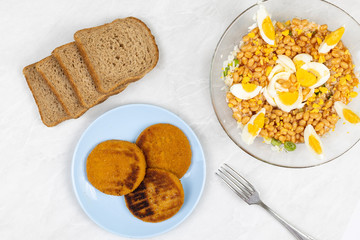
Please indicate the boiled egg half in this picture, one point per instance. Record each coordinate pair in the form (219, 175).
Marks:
(331, 40)
(245, 91)
(346, 113)
(302, 58)
(313, 142)
(253, 127)
(312, 74)
(266, 27)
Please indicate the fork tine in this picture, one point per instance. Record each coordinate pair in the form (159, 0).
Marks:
(236, 181)
(228, 183)
(238, 175)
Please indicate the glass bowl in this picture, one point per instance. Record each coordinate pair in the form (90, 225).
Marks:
(336, 142)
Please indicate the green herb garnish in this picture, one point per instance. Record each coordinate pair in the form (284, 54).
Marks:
(289, 146)
(275, 142)
(226, 71)
(236, 61)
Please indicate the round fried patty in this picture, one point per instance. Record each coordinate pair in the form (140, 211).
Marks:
(159, 197)
(116, 167)
(167, 147)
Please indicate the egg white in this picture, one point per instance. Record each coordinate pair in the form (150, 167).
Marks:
(304, 57)
(312, 90)
(339, 107)
(268, 97)
(325, 48)
(286, 62)
(321, 69)
(274, 86)
(309, 130)
(260, 16)
(238, 91)
(245, 135)
(287, 108)
(277, 69)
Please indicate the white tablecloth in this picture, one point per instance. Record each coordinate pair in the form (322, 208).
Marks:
(36, 197)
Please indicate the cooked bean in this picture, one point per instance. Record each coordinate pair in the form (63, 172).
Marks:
(304, 39)
(296, 48)
(344, 65)
(319, 126)
(306, 116)
(278, 112)
(245, 120)
(296, 21)
(299, 129)
(250, 63)
(323, 27)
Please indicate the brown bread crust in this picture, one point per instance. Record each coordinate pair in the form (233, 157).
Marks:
(50, 109)
(86, 53)
(65, 93)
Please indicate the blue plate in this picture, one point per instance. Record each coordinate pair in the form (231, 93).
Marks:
(110, 212)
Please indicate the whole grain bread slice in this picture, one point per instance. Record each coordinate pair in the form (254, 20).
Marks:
(76, 71)
(117, 53)
(51, 71)
(50, 109)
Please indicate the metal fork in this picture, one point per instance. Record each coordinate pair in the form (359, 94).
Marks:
(248, 193)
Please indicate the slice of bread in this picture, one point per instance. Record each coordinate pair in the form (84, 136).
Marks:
(75, 69)
(50, 109)
(117, 53)
(51, 71)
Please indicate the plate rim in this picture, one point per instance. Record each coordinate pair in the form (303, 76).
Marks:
(201, 152)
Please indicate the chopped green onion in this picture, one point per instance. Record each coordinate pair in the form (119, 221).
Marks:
(275, 142)
(236, 61)
(289, 146)
(226, 71)
(290, 33)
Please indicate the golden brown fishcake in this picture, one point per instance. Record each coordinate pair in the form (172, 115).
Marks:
(116, 167)
(159, 197)
(167, 147)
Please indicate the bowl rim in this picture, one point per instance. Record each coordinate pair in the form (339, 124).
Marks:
(213, 103)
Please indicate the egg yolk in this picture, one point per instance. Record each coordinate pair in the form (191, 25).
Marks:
(257, 124)
(350, 116)
(249, 87)
(334, 37)
(268, 28)
(288, 98)
(307, 78)
(298, 64)
(315, 144)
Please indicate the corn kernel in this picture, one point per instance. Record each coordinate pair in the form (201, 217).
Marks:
(323, 89)
(342, 81)
(268, 70)
(321, 59)
(286, 32)
(353, 94)
(319, 41)
(251, 35)
(230, 105)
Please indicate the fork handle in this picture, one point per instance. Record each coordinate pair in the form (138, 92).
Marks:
(297, 234)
